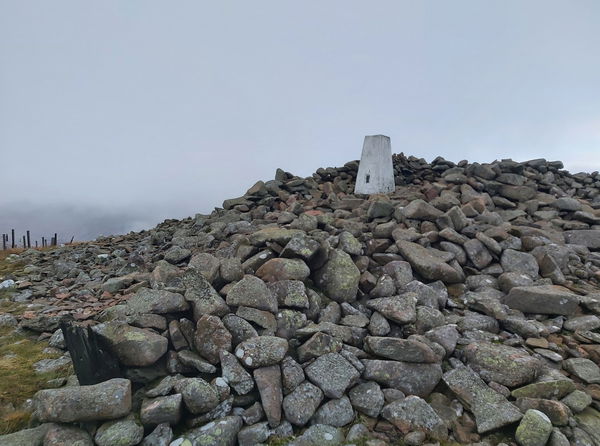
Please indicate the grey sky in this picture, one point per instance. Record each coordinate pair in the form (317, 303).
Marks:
(163, 109)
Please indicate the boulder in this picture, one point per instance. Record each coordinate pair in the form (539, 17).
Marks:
(339, 277)
(544, 299)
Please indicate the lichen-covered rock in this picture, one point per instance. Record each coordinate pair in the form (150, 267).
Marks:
(300, 405)
(252, 292)
(534, 429)
(411, 378)
(198, 395)
(333, 374)
(413, 413)
(339, 277)
(125, 432)
(105, 401)
(428, 265)
(261, 351)
(545, 299)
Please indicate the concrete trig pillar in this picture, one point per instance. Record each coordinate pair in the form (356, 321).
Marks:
(375, 171)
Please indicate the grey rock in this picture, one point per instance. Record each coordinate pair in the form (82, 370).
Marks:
(505, 365)
(399, 309)
(191, 359)
(319, 435)
(198, 395)
(290, 293)
(400, 349)
(252, 292)
(583, 369)
(410, 378)
(336, 412)
(105, 401)
(26, 437)
(491, 409)
(125, 432)
(135, 347)
(162, 435)
(202, 296)
(236, 376)
(577, 400)
(428, 265)
(252, 435)
(292, 374)
(333, 374)
(61, 435)
(477, 253)
(590, 238)
(146, 300)
(300, 405)
(367, 398)
(339, 277)
(162, 409)
(519, 262)
(545, 299)
(206, 264)
(589, 422)
(414, 414)
(534, 429)
(421, 210)
(261, 351)
(220, 432)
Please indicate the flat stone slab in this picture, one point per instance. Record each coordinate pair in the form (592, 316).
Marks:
(491, 410)
(545, 299)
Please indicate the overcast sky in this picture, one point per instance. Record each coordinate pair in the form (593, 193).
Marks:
(144, 110)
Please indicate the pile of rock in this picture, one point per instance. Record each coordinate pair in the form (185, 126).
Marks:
(462, 307)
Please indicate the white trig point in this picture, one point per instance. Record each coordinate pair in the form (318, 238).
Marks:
(375, 171)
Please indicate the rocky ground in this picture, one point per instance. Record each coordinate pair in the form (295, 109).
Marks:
(462, 308)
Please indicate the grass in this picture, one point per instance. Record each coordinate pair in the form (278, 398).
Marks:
(18, 381)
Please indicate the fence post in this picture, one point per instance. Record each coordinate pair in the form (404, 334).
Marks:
(28, 240)
(12, 232)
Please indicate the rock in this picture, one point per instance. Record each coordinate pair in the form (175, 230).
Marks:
(519, 262)
(557, 438)
(290, 293)
(350, 244)
(491, 409)
(588, 238)
(283, 269)
(534, 429)
(500, 363)
(339, 277)
(211, 337)
(236, 376)
(577, 400)
(399, 309)
(125, 432)
(300, 405)
(582, 323)
(478, 253)
(114, 284)
(252, 292)
(261, 351)
(162, 435)
(583, 369)
(545, 389)
(421, 210)
(177, 254)
(162, 409)
(318, 345)
(557, 412)
(198, 395)
(589, 422)
(191, 359)
(220, 432)
(414, 414)
(292, 374)
(26, 437)
(567, 204)
(367, 398)
(202, 296)
(105, 401)
(400, 349)
(410, 378)
(255, 434)
(268, 381)
(333, 374)
(61, 435)
(428, 265)
(319, 435)
(544, 299)
(206, 264)
(135, 347)
(156, 301)
(336, 413)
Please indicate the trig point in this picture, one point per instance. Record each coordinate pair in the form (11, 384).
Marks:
(375, 171)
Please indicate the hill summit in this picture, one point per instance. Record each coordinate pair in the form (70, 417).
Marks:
(462, 307)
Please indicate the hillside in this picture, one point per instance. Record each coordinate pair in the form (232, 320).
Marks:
(461, 308)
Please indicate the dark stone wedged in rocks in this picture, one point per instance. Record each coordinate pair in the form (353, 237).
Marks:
(92, 361)
(411, 378)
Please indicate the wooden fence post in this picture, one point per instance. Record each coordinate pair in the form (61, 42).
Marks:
(28, 240)
(12, 232)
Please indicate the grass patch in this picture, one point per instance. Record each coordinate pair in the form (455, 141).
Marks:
(18, 381)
